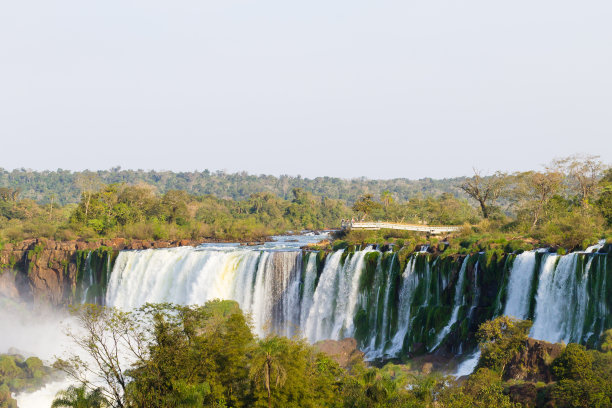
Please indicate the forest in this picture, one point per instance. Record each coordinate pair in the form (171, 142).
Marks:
(569, 204)
(62, 186)
(164, 355)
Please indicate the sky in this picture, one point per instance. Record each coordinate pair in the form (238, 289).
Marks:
(344, 88)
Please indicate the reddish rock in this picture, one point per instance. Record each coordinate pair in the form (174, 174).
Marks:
(344, 352)
(46, 269)
(533, 362)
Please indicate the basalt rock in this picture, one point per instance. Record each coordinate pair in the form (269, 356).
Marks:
(533, 362)
(49, 272)
(525, 394)
(344, 352)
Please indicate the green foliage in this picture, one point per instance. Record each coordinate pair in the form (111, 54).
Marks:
(483, 389)
(198, 356)
(606, 341)
(17, 374)
(137, 211)
(584, 378)
(500, 340)
(207, 356)
(574, 364)
(79, 397)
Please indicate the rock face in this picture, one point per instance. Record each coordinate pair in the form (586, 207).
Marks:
(344, 351)
(49, 272)
(533, 363)
(525, 394)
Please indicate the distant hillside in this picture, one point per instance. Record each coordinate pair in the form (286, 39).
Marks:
(60, 184)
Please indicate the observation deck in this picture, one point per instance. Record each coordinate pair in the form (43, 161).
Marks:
(430, 229)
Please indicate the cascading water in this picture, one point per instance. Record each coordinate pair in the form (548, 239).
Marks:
(519, 287)
(458, 301)
(409, 283)
(475, 291)
(364, 293)
(335, 298)
(310, 276)
(572, 299)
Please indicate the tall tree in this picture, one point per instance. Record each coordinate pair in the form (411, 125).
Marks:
(583, 174)
(112, 340)
(365, 204)
(539, 189)
(267, 366)
(386, 198)
(485, 190)
(89, 183)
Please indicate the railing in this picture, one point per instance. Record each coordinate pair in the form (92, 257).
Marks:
(431, 229)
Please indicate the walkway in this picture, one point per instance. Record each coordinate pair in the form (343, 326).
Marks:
(430, 229)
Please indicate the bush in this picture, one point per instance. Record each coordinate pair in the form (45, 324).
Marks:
(500, 340)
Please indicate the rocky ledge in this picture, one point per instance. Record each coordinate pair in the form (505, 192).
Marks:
(47, 272)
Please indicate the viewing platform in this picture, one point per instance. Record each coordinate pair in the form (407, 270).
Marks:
(430, 229)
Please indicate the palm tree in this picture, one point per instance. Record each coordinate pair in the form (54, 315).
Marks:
(78, 397)
(267, 365)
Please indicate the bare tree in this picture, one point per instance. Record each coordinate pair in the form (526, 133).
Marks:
(112, 342)
(485, 190)
(89, 183)
(540, 188)
(583, 173)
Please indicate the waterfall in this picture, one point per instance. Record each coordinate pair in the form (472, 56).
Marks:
(264, 283)
(363, 294)
(475, 291)
(335, 298)
(571, 286)
(458, 301)
(519, 287)
(410, 281)
(310, 275)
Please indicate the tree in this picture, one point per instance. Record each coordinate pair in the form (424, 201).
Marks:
(583, 378)
(197, 355)
(9, 194)
(89, 183)
(78, 397)
(365, 204)
(583, 173)
(499, 340)
(483, 389)
(485, 190)
(537, 188)
(606, 341)
(112, 341)
(604, 201)
(386, 198)
(575, 363)
(267, 368)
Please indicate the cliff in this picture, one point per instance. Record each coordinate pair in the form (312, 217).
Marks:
(53, 273)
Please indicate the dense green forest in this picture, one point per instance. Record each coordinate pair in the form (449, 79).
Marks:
(207, 356)
(62, 186)
(569, 204)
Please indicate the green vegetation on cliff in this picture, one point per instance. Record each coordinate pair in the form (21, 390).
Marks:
(18, 374)
(568, 205)
(139, 212)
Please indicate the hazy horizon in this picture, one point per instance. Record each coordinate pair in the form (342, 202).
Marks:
(345, 89)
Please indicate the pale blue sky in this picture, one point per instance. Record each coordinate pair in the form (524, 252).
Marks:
(379, 88)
